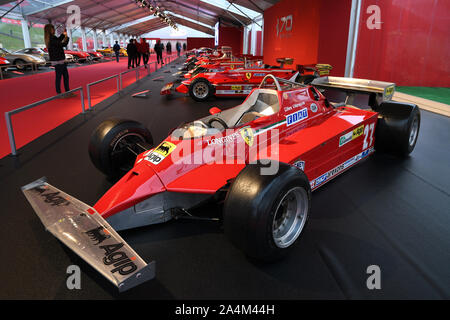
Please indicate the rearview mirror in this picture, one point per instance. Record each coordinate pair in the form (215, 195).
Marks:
(214, 110)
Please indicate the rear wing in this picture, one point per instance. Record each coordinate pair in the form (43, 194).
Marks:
(383, 90)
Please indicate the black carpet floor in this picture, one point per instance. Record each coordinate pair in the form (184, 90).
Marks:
(390, 212)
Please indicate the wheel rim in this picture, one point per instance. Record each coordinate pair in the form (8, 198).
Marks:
(20, 65)
(122, 150)
(201, 90)
(290, 217)
(413, 132)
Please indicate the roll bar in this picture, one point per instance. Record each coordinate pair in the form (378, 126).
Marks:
(277, 81)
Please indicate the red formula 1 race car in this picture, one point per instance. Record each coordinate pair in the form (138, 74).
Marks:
(261, 159)
(230, 82)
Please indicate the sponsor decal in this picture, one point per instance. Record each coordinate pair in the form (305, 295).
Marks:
(259, 74)
(337, 170)
(352, 135)
(389, 91)
(248, 75)
(296, 117)
(300, 164)
(236, 87)
(160, 152)
(313, 107)
(52, 198)
(99, 235)
(119, 259)
(247, 135)
(224, 140)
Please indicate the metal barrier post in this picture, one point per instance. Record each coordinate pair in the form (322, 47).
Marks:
(82, 101)
(88, 90)
(9, 127)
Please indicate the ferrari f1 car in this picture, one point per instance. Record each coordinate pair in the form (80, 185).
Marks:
(261, 159)
(228, 83)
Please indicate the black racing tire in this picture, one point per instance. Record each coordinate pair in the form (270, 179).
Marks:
(397, 128)
(107, 146)
(200, 85)
(253, 208)
(76, 59)
(305, 79)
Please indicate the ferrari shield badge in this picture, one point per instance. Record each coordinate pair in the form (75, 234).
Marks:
(248, 75)
(248, 136)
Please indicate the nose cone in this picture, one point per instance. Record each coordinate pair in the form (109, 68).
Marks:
(138, 184)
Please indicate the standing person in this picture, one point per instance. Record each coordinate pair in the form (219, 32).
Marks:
(116, 49)
(159, 47)
(131, 51)
(178, 45)
(169, 48)
(55, 47)
(145, 51)
(138, 52)
(184, 46)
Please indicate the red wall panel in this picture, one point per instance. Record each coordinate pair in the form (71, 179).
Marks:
(232, 37)
(301, 42)
(412, 47)
(194, 43)
(333, 34)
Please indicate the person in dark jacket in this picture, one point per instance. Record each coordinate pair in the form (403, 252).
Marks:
(184, 46)
(132, 54)
(169, 47)
(116, 49)
(55, 47)
(159, 47)
(178, 45)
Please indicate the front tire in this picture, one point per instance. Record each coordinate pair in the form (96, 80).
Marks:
(264, 215)
(200, 89)
(110, 144)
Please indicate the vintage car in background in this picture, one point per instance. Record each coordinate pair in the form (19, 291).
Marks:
(23, 61)
(95, 55)
(79, 56)
(109, 52)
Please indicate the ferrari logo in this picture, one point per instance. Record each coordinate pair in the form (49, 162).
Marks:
(247, 135)
(248, 75)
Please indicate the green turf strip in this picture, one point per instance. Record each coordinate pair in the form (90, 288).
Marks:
(436, 94)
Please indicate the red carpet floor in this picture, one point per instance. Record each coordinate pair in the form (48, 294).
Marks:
(21, 91)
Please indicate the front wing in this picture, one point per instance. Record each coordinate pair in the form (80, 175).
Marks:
(84, 231)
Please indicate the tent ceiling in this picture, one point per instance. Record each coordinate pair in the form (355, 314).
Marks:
(120, 14)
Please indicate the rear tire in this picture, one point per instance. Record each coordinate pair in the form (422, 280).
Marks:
(256, 207)
(397, 128)
(200, 89)
(108, 145)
